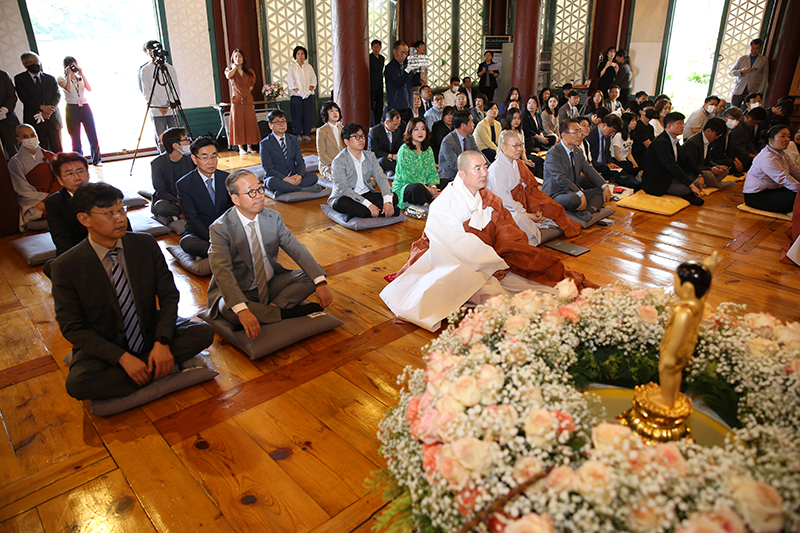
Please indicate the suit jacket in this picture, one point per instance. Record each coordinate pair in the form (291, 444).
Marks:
(161, 172)
(272, 159)
(345, 179)
(755, 81)
(439, 131)
(379, 142)
(661, 167)
(693, 148)
(8, 98)
(196, 203)
(399, 86)
(559, 177)
(641, 133)
(231, 262)
(566, 112)
(65, 230)
(449, 152)
(32, 98)
(594, 146)
(327, 148)
(741, 141)
(718, 152)
(470, 94)
(86, 304)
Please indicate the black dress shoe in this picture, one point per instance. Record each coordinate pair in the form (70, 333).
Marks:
(694, 200)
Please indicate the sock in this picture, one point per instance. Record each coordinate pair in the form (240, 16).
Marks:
(300, 310)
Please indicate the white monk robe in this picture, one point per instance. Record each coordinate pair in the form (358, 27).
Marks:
(503, 178)
(456, 268)
(25, 170)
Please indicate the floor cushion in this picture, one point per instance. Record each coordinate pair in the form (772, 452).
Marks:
(598, 216)
(36, 225)
(178, 226)
(782, 216)
(198, 267)
(146, 194)
(35, 249)
(731, 177)
(291, 197)
(660, 205)
(133, 200)
(312, 163)
(548, 234)
(274, 336)
(142, 222)
(358, 224)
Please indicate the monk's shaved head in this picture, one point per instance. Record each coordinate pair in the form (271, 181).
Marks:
(24, 128)
(465, 159)
(473, 169)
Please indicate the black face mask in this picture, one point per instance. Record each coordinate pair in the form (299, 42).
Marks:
(34, 68)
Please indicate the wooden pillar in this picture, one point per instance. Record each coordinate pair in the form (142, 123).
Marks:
(410, 23)
(525, 62)
(784, 51)
(499, 16)
(350, 22)
(236, 28)
(9, 208)
(611, 21)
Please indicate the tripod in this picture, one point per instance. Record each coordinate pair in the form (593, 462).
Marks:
(162, 77)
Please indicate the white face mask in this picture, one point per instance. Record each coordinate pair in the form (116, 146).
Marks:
(731, 123)
(754, 105)
(30, 144)
(185, 150)
(711, 109)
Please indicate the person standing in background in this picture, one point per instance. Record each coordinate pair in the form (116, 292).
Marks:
(8, 119)
(606, 71)
(376, 62)
(40, 96)
(488, 74)
(243, 129)
(76, 85)
(624, 77)
(751, 73)
(160, 104)
(302, 81)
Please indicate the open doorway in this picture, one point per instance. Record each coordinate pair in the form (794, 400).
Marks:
(106, 39)
(692, 45)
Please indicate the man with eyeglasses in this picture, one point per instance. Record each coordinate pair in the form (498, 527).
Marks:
(202, 196)
(284, 166)
(569, 179)
(32, 178)
(249, 287)
(166, 170)
(116, 302)
(401, 78)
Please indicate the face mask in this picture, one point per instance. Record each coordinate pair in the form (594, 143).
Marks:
(711, 109)
(731, 123)
(35, 68)
(185, 150)
(30, 144)
(754, 105)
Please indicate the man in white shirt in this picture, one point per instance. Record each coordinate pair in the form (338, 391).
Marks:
(249, 287)
(450, 95)
(353, 170)
(160, 108)
(696, 121)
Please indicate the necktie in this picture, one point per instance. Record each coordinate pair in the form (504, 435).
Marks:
(262, 275)
(127, 306)
(210, 187)
(389, 135)
(601, 157)
(491, 130)
(283, 147)
(38, 81)
(464, 144)
(572, 164)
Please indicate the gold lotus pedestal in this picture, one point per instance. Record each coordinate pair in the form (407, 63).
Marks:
(654, 421)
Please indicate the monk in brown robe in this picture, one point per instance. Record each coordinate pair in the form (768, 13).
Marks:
(32, 176)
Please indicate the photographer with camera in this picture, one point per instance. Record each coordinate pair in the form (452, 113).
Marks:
(76, 85)
(163, 95)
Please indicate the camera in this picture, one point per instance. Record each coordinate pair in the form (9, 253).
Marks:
(158, 53)
(74, 68)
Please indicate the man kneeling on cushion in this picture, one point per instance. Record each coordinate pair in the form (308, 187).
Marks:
(248, 286)
(116, 302)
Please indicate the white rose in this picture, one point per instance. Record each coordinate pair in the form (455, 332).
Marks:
(513, 351)
(762, 323)
(531, 523)
(473, 454)
(515, 324)
(759, 347)
(560, 479)
(646, 516)
(540, 427)
(567, 290)
(607, 437)
(789, 335)
(498, 303)
(595, 482)
(505, 416)
(451, 468)
(490, 381)
(525, 468)
(465, 390)
(527, 302)
(760, 504)
(717, 521)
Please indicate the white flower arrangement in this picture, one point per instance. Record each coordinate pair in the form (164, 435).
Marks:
(500, 402)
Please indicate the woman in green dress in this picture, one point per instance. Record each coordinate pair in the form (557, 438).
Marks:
(415, 178)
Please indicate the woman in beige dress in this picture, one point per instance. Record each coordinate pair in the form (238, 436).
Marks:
(329, 140)
(244, 125)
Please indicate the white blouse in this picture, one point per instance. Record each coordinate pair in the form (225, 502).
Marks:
(301, 77)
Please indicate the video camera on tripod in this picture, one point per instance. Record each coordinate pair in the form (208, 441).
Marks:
(158, 53)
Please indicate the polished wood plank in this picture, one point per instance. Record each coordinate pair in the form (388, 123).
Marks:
(27, 370)
(27, 522)
(356, 517)
(376, 375)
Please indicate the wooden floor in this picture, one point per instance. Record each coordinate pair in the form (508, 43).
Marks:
(284, 443)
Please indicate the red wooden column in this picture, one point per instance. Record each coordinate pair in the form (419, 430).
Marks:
(611, 20)
(784, 51)
(525, 61)
(239, 30)
(499, 16)
(350, 22)
(409, 23)
(9, 208)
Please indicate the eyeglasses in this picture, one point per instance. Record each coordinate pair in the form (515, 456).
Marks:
(573, 132)
(279, 121)
(110, 215)
(74, 173)
(358, 136)
(515, 145)
(252, 193)
(205, 158)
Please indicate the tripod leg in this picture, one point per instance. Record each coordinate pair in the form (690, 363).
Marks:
(144, 121)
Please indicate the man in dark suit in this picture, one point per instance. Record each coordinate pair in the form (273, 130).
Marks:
(743, 142)
(40, 95)
(385, 140)
(400, 81)
(283, 161)
(580, 194)
(203, 196)
(469, 91)
(116, 302)
(249, 286)
(167, 169)
(457, 141)
(8, 119)
(376, 61)
(599, 141)
(718, 149)
(665, 169)
(698, 155)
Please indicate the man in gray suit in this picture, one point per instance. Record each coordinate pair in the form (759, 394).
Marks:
(751, 72)
(455, 142)
(248, 286)
(353, 170)
(563, 181)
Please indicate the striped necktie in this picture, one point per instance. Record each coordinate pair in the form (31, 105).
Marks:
(283, 147)
(263, 273)
(127, 306)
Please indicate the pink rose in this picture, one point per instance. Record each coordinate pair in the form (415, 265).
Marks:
(587, 293)
(670, 457)
(473, 454)
(645, 515)
(553, 318)
(647, 314)
(513, 350)
(759, 347)
(465, 390)
(639, 293)
(607, 437)
(789, 335)
(451, 468)
(595, 482)
(567, 291)
(449, 405)
(639, 459)
(527, 302)
(465, 500)
(531, 523)
(540, 427)
(430, 455)
(569, 312)
(564, 421)
(490, 381)
(717, 521)
(412, 412)
(794, 367)
(470, 329)
(498, 303)
(762, 324)
(515, 324)
(525, 468)
(760, 504)
(427, 430)
(479, 351)
(560, 479)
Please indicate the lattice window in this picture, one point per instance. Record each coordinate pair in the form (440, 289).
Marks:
(439, 41)
(542, 81)
(742, 24)
(379, 21)
(322, 21)
(470, 38)
(286, 28)
(569, 43)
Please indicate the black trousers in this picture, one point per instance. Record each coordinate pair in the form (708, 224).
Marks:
(773, 200)
(376, 105)
(351, 208)
(94, 379)
(417, 193)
